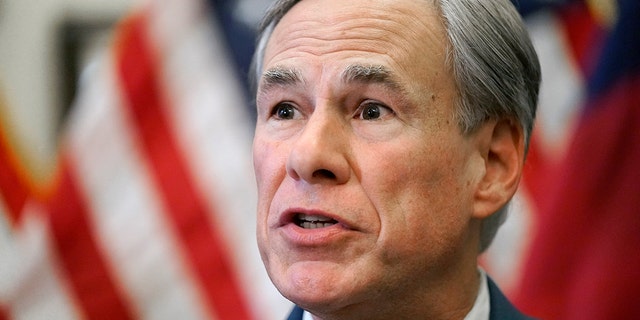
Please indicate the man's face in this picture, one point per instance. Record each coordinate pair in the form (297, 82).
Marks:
(365, 181)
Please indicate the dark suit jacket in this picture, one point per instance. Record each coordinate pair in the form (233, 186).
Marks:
(501, 308)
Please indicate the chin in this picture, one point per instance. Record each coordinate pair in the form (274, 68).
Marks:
(313, 287)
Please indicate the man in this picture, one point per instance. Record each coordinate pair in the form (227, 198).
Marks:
(390, 137)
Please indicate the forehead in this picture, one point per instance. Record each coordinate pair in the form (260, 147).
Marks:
(407, 36)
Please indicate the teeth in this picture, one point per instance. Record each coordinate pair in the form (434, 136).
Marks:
(313, 218)
(310, 221)
(315, 225)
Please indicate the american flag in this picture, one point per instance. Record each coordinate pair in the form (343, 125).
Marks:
(151, 212)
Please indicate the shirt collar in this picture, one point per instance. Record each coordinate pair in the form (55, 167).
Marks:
(482, 307)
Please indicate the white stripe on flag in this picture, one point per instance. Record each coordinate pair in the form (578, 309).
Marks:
(126, 212)
(562, 88)
(30, 284)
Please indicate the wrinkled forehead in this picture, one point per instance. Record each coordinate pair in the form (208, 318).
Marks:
(392, 15)
(409, 34)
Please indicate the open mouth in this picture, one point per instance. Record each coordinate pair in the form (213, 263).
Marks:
(310, 221)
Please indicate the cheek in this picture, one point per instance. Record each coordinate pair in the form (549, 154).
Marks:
(421, 201)
(268, 163)
(266, 173)
(269, 173)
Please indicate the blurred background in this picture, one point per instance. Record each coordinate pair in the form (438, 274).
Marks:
(126, 185)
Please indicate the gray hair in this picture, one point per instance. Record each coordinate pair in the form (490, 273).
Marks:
(495, 66)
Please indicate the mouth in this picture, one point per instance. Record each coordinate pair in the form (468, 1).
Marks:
(303, 228)
(313, 221)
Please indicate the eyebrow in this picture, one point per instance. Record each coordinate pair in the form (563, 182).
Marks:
(365, 74)
(280, 77)
(368, 74)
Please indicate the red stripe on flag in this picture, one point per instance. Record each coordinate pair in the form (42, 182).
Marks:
(79, 253)
(203, 246)
(536, 172)
(3, 313)
(13, 190)
(584, 36)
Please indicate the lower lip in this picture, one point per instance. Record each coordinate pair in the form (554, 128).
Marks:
(313, 237)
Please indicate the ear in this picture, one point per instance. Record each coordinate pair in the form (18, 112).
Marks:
(501, 144)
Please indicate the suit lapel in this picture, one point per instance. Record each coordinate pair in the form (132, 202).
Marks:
(501, 308)
(296, 313)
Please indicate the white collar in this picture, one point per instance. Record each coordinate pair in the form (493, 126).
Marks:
(482, 307)
(479, 311)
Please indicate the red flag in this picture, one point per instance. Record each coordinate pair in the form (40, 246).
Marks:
(584, 256)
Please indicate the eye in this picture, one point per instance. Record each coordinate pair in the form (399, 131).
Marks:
(373, 111)
(284, 111)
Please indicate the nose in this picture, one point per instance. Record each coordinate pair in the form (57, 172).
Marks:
(320, 153)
